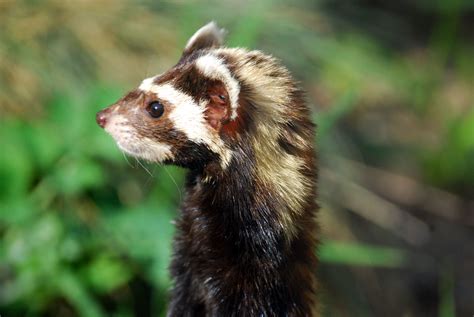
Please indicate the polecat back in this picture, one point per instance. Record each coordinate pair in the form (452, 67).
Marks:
(245, 242)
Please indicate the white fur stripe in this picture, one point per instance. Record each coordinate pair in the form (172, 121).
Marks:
(147, 84)
(188, 117)
(213, 67)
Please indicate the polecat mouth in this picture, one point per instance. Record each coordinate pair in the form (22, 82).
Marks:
(146, 149)
(130, 141)
(141, 147)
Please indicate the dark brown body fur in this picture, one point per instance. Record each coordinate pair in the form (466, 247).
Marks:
(231, 256)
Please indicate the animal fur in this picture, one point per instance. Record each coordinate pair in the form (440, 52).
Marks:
(245, 242)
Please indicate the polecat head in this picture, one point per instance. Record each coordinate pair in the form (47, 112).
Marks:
(196, 112)
(177, 116)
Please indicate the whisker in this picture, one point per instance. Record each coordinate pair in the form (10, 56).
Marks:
(174, 181)
(126, 159)
(143, 166)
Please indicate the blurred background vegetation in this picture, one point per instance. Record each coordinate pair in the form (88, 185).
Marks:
(85, 231)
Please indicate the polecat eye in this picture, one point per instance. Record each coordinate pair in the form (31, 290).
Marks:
(155, 109)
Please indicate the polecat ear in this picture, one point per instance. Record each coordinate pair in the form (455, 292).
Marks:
(218, 109)
(210, 35)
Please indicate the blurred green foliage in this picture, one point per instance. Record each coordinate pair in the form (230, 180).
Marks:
(87, 231)
(66, 230)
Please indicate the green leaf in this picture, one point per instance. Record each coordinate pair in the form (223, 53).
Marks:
(145, 233)
(106, 273)
(447, 307)
(361, 254)
(16, 163)
(75, 292)
(75, 175)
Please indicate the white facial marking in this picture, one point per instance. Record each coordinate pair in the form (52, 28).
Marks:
(213, 67)
(147, 84)
(130, 142)
(188, 117)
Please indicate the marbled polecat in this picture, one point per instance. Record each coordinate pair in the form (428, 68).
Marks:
(246, 234)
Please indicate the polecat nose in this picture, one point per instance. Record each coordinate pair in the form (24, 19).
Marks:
(101, 118)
